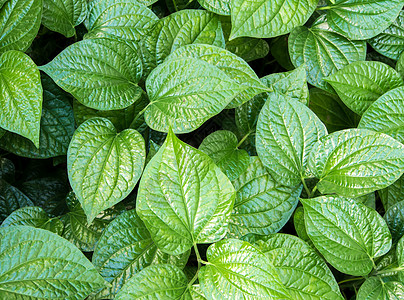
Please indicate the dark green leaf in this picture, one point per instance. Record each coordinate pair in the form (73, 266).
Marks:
(395, 220)
(375, 289)
(393, 194)
(11, 199)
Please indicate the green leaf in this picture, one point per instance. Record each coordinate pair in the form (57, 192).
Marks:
(56, 131)
(323, 52)
(246, 115)
(221, 146)
(124, 249)
(184, 198)
(304, 274)
(63, 15)
(236, 68)
(262, 205)
(355, 162)
(33, 216)
(286, 132)
(220, 7)
(362, 19)
(348, 234)
(393, 194)
(128, 20)
(332, 111)
(368, 199)
(300, 227)
(19, 24)
(375, 289)
(100, 73)
(7, 170)
(241, 271)
(362, 82)
(185, 92)
(394, 217)
(266, 18)
(386, 115)
(49, 266)
(103, 165)
(11, 199)
(400, 65)
(177, 30)
(390, 42)
(156, 282)
(21, 95)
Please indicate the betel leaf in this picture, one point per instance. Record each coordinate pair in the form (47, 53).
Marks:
(361, 83)
(400, 65)
(7, 170)
(362, 19)
(323, 52)
(100, 73)
(375, 289)
(156, 282)
(348, 234)
(262, 205)
(220, 7)
(49, 266)
(393, 194)
(11, 199)
(304, 274)
(185, 92)
(56, 131)
(103, 165)
(238, 270)
(184, 198)
(286, 132)
(124, 249)
(222, 148)
(246, 116)
(19, 24)
(123, 19)
(390, 42)
(236, 68)
(33, 216)
(266, 18)
(180, 29)
(332, 111)
(386, 114)
(64, 15)
(395, 220)
(355, 162)
(300, 227)
(21, 95)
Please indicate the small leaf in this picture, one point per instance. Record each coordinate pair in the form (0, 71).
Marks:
(63, 16)
(362, 82)
(7, 170)
(19, 23)
(100, 73)
(355, 162)
(375, 289)
(395, 220)
(393, 194)
(184, 198)
(11, 199)
(250, 272)
(246, 116)
(103, 165)
(400, 65)
(348, 234)
(286, 132)
(300, 227)
(386, 115)
(21, 95)
(262, 206)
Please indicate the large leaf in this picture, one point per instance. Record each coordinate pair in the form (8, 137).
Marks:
(362, 82)
(395, 220)
(156, 282)
(220, 7)
(362, 19)
(386, 114)
(21, 95)
(348, 234)
(180, 29)
(56, 131)
(49, 266)
(123, 19)
(355, 162)
(103, 165)
(100, 73)
(304, 274)
(375, 289)
(124, 249)
(11, 199)
(390, 42)
(185, 92)
(64, 15)
(323, 52)
(400, 65)
(332, 111)
(266, 18)
(184, 198)
(19, 23)
(286, 132)
(393, 194)
(221, 146)
(238, 270)
(262, 206)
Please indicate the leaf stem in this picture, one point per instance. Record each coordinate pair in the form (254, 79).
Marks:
(198, 257)
(140, 113)
(243, 139)
(313, 191)
(306, 188)
(323, 7)
(389, 270)
(350, 280)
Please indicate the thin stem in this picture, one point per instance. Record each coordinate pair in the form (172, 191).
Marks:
(140, 113)
(350, 280)
(198, 257)
(313, 191)
(243, 139)
(323, 7)
(390, 270)
(306, 188)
